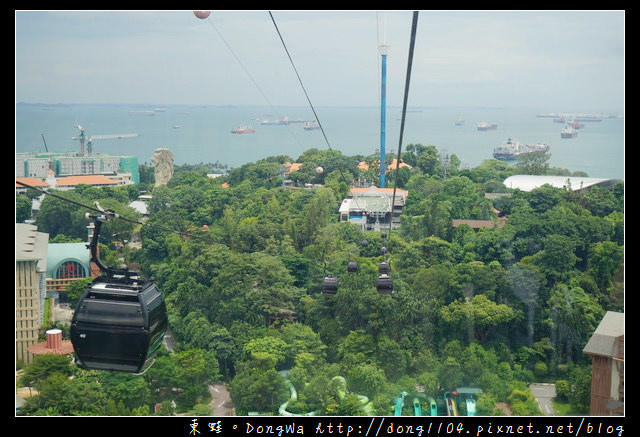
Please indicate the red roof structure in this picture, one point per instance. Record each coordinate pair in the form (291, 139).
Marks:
(34, 182)
(86, 180)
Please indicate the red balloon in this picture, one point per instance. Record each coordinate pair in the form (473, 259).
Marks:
(201, 14)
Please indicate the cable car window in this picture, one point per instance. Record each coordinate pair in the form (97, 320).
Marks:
(109, 312)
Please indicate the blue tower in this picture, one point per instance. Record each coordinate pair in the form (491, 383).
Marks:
(384, 49)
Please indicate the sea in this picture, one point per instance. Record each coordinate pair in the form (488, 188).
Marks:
(202, 133)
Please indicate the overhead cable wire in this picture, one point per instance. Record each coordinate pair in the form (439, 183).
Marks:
(309, 101)
(300, 80)
(102, 211)
(255, 83)
(404, 107)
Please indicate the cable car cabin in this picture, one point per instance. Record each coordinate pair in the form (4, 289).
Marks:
(384, 284)
(118, 325)
(383, 268)
(352, 267)
(329, 285)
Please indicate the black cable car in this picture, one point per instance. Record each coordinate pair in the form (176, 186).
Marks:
(383, 268)
(384, 284)
(352, 267)
(330, 285)
(119, 322)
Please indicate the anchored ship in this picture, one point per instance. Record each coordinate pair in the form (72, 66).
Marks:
(487, 126)
(568, 132)
(243, 130)
(512, 149)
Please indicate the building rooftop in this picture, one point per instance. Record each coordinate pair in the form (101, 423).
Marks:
(85, 180)
(603, 340)
(375, 191)
(362, 165)
(291, 167)
(31, 244)
(368, 204)
(34, 182)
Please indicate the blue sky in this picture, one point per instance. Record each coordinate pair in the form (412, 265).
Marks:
(569, 60)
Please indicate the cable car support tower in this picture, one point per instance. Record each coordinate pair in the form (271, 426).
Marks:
(384, 50)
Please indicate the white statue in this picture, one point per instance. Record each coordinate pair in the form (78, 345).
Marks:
(163, 161)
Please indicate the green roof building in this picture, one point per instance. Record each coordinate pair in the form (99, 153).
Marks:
(68, 260)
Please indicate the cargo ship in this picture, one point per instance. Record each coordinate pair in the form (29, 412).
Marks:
(568, 132)
(311, 125)
(242, 130)
(512, 149)
(487, 126)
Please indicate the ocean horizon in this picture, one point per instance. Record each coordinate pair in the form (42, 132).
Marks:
(202, 133)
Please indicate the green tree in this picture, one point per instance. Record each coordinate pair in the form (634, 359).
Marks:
(349, 406)
(605, 257)
(479, 314)
(523, 403)
(76, 289)
(557, 259)
(195, 369)
(130, 390)
(462, 193)
(475, 360)
(317, 214)
(367, 379)
(42, 367)
(430, 382)
(163, 376)
(423, 157)
(533, 163)
(57, 216)
(526, 283)
(261, 390)
(301, 339)
(273, 346)
(573, 316)
(23, 208)
(450, 374)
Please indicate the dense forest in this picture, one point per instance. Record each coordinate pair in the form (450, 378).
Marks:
(240, 260)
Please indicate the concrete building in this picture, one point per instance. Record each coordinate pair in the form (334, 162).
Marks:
(31, 267)
(606, 348)
(71, 163)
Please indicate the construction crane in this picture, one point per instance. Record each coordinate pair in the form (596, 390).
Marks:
(83, 138)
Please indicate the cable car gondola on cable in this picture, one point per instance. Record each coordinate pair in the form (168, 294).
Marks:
(120, 321)
(384, 284)
(352, 267)
(330, 285)
(383, 268)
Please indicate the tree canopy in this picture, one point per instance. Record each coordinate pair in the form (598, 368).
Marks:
(481, 308)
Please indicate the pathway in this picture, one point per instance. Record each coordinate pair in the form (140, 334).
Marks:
(221, 403)
(544, 394)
